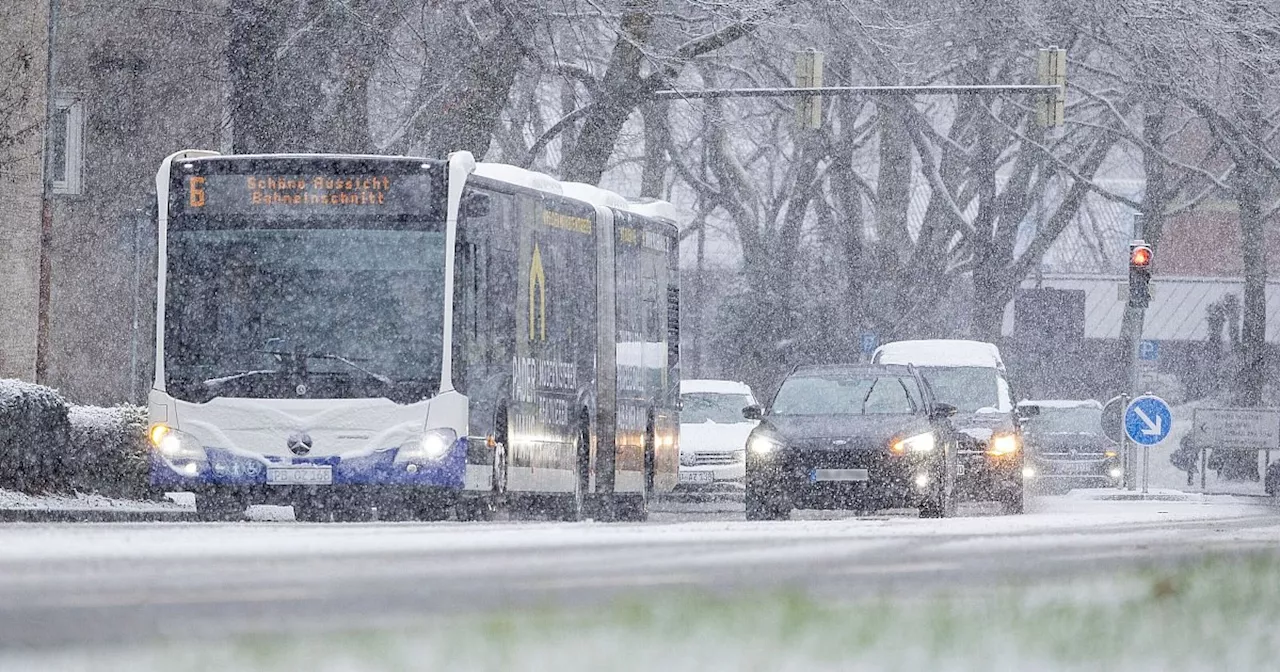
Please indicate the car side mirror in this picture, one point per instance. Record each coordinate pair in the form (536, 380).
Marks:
(944, 410)
(753, 412)
(1028, 411)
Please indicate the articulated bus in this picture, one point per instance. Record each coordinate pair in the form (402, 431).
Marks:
(362, 336)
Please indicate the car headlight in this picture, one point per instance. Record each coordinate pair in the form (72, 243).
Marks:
(688, 459)
(920, 443)
(175, 444)
(1003, 444)
(431, 446)
(762, 445)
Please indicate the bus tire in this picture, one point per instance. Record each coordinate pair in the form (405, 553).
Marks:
(501, 437)
(576, 507)
(631, 508)
(216, 506)
(650, 457)
(474, 509)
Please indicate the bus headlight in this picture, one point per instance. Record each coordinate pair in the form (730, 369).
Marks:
(431, 446)
(176, 445)
(920, 443)
(1003, 444)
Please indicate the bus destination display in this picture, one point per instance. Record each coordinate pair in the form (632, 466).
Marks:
(300, 195)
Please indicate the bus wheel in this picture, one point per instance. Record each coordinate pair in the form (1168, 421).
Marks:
(472, 509)
(500, 461)
(631, 508)
(219, 507)
(576, 507)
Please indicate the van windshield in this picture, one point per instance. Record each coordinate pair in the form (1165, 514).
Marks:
(969, 388)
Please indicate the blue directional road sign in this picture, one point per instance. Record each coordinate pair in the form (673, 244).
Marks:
(1147, 420)
(1149, 351)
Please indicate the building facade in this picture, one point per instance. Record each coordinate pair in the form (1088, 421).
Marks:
(131, 83)
(24, 50)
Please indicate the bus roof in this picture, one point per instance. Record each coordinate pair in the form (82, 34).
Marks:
(587, 193)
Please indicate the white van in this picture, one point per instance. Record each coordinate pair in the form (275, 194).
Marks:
(713, 434)
(970, 375)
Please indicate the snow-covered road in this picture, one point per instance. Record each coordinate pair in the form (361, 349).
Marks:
(81, 584)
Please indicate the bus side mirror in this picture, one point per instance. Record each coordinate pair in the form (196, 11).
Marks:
(753, 412)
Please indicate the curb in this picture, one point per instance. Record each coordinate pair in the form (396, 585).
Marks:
(94, 515)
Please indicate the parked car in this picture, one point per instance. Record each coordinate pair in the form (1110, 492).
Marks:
(1066, 447)
(713, 435)
(858, 437)
(970, 375)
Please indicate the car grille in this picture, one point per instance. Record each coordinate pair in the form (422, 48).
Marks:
(709, 459)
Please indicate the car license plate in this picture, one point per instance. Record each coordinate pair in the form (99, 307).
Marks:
(1076, 468)
(696, 477)
(310, 475)
(839, 475)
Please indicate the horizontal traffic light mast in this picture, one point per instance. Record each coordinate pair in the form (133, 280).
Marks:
(1051, 72)
(781, 92)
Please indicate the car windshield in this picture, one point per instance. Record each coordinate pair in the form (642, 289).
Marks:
(713, 407)
(1078, 420)
(817, 394)
(969, 388)
(352, 308)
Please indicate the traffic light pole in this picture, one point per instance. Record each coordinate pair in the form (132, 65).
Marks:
(1140, 258)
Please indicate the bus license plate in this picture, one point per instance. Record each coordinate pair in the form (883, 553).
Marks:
(299, 475)
(839, 475)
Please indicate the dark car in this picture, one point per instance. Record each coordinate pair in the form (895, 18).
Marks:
(1066, 447)
(861, 437)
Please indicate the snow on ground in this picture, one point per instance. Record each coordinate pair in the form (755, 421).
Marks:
(1218, 615)
(80, 502)
(1049, 515)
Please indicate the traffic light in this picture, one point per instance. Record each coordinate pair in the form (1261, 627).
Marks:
(1140, 257)
(1051, 70)
(809, 76)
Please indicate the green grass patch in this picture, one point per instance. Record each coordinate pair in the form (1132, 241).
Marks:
(1220, 614)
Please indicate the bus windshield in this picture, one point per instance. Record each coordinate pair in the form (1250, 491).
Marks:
(295, 310)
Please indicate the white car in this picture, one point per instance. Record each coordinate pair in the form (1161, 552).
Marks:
(713, 434)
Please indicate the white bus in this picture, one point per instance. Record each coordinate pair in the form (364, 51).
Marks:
(411, 337)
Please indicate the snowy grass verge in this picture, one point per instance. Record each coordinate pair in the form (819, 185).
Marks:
(1217, 615)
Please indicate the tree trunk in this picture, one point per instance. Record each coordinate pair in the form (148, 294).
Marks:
(620, 92)
(657, 137)
(255, 34)
(989, 293)
(1254, 315)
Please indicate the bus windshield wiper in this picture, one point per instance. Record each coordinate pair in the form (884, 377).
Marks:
(332, 357)
(211, 382)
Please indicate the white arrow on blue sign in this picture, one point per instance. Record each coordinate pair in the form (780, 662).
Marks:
(1147, 420)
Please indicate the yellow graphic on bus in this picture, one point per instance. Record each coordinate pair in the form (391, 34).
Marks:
(537, 287)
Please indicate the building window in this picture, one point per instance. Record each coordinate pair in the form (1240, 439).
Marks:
(66, 144)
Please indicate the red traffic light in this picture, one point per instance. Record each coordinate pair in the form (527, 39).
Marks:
(1140, 257)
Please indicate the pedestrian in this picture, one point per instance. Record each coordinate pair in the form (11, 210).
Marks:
(1186, 457)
